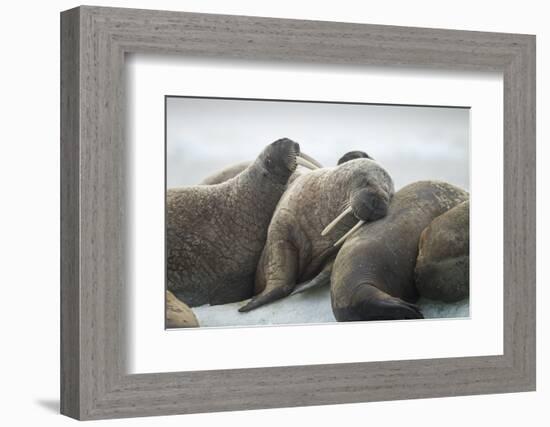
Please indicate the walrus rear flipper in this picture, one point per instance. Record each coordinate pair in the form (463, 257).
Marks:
(265, 298)
(322, 279)
(281, 275)
(370, 303)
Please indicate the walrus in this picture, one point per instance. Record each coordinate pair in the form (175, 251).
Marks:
(178, 314)
(295, 250)
(373, 274)
(215, 233)
(233, 170)
(443, 264)
(351, 155)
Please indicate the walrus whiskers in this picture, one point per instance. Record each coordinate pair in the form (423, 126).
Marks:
(335, 221)
(349, 233)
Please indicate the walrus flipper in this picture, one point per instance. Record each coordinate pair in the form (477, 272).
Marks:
(281, 275)
(322, 279)
(265, 298)
(394, 309)
(378, 305)
(370, 303)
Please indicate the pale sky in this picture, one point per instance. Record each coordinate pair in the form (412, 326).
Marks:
(412, 143)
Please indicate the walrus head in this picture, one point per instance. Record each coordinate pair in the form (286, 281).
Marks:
(351, 155)
(281, 158)
(369, 197)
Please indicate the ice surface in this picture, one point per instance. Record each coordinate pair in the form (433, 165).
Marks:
(309, 307)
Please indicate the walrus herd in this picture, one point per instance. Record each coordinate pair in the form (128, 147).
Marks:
(265, 229)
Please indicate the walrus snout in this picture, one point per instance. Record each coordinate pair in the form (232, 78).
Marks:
(370, 205)
(367, 206)
(279, 159)
(287, 144)
(283, 156)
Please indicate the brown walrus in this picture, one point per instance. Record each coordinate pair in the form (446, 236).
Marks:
(215, 233)
(373, 274)
(443, 265)
(295, 250)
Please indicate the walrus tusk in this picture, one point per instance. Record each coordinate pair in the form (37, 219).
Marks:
(351, 231)
(305, 163)
(335, 221)
(310, 159)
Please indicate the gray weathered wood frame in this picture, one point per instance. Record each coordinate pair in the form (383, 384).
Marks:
(94, 41)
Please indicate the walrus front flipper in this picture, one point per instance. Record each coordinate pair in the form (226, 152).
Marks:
(322, 279)
(265, 298)
(370, 303)
(394, 309)
(282, 268)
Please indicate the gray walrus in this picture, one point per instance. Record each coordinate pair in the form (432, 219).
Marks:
(443, 265)
(233, 170)
(215, 234)
(373, 273)
(295, 250)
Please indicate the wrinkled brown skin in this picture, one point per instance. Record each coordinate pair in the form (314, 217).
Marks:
(443, 264)
(215, 233)
(295, 251)
(373, 273)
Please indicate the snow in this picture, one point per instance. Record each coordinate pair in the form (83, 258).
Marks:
(308, 307)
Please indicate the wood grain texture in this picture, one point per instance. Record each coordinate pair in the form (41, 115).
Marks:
(94, 382)
(70, 314)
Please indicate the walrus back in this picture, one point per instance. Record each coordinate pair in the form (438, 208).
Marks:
(383, 253)
(443, 264)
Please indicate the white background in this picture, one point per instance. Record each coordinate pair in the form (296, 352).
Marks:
(152, 349)
(29, 173)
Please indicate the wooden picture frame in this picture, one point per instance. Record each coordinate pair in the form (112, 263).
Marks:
(94, 41)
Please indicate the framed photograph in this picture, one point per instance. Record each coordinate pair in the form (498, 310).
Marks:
(261, 213)
(420, 148)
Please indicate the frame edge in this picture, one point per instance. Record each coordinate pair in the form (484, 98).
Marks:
(70, 395)
(82, 398)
